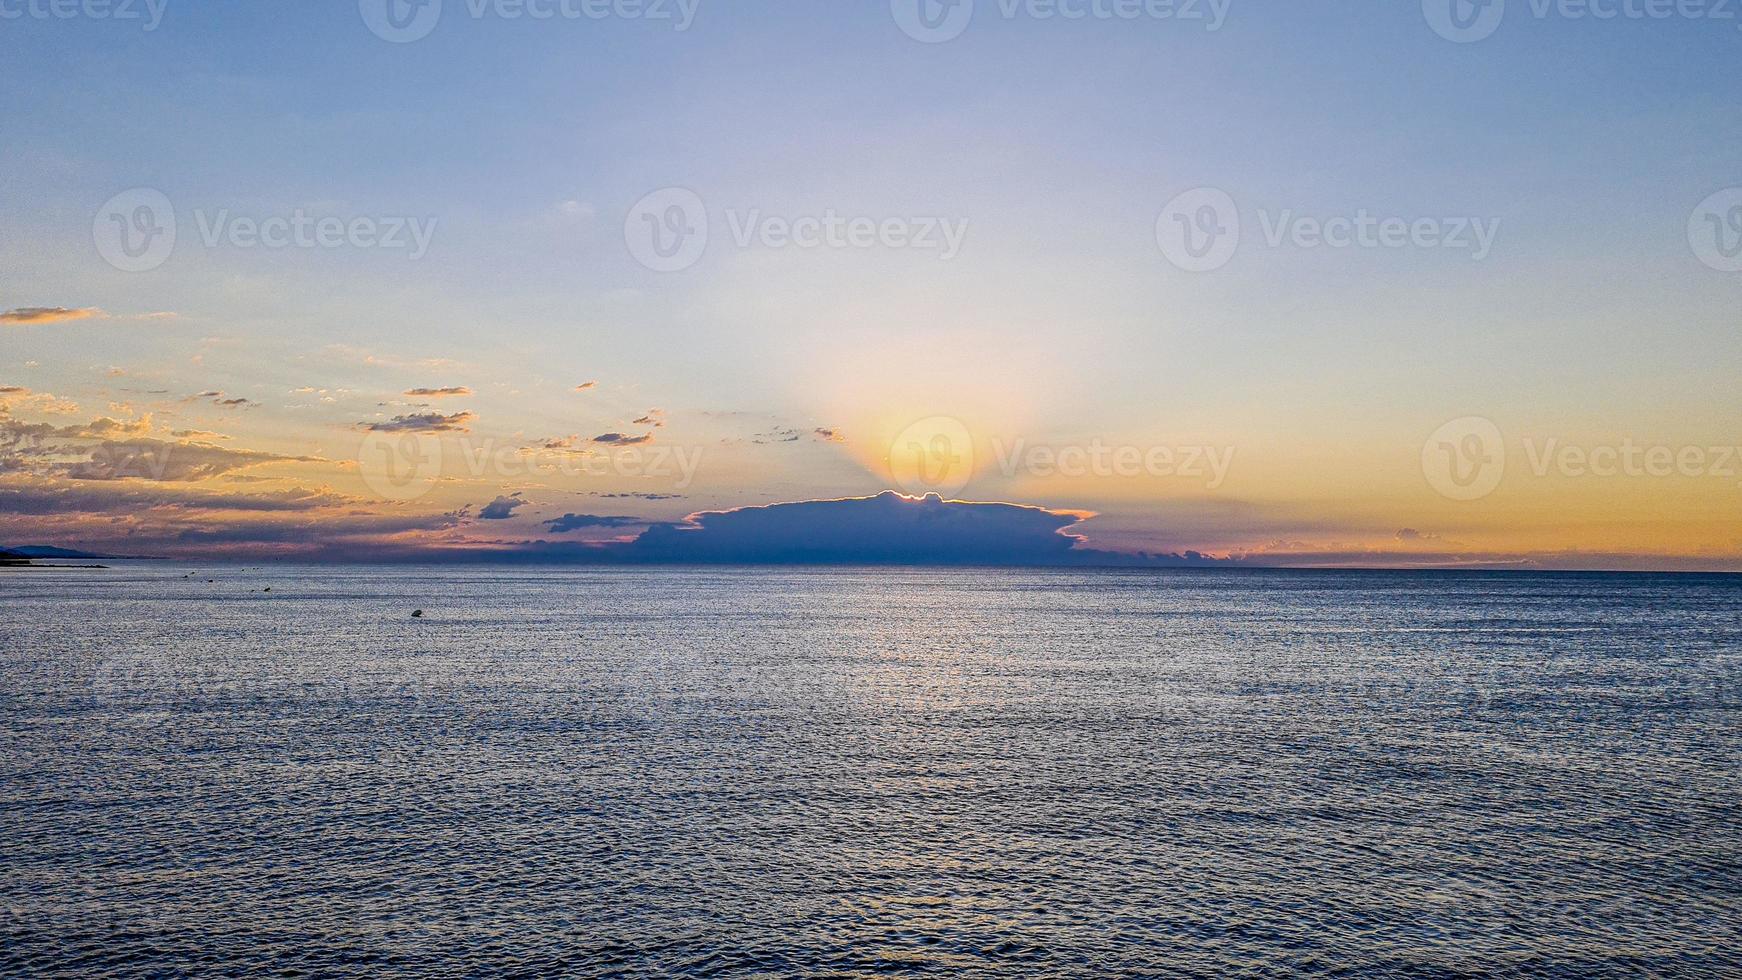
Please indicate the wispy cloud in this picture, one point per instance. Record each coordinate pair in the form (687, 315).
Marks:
(577, 522)
(453, 392)
(424, 422)
(49, 314)
(168, 462)
(54, 497)
(622, 439)
(222, 400)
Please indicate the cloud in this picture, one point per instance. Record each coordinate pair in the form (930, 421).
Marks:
(636, 496)
(49, 314)
(218, 398)
(559, 444)
(572, 209)
(886, 529)
(576, 522)
(620, 439)
(829, 435)
(453, 392)
(424, 422)
(16, 397)
(52, 497)
(654, 417)
(586, 386)
(777, 434)
(320, 534)
(105, 428)
(501, 509)
(155, 460)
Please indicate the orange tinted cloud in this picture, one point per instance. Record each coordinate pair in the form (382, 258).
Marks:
(48, 314)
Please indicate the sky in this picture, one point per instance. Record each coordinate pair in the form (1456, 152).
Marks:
(1413, 283)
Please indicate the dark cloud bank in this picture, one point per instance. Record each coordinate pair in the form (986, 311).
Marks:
(888, 529)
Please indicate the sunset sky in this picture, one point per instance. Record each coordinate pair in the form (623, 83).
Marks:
(929, 264)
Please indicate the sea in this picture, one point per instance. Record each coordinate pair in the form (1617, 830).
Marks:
(235, 770)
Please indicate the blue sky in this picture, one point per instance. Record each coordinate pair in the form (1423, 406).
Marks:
(1586, 143)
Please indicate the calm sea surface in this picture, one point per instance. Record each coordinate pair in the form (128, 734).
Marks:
(851, 772)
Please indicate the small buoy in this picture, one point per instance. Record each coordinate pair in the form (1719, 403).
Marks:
(417, 615)
(267, 589)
